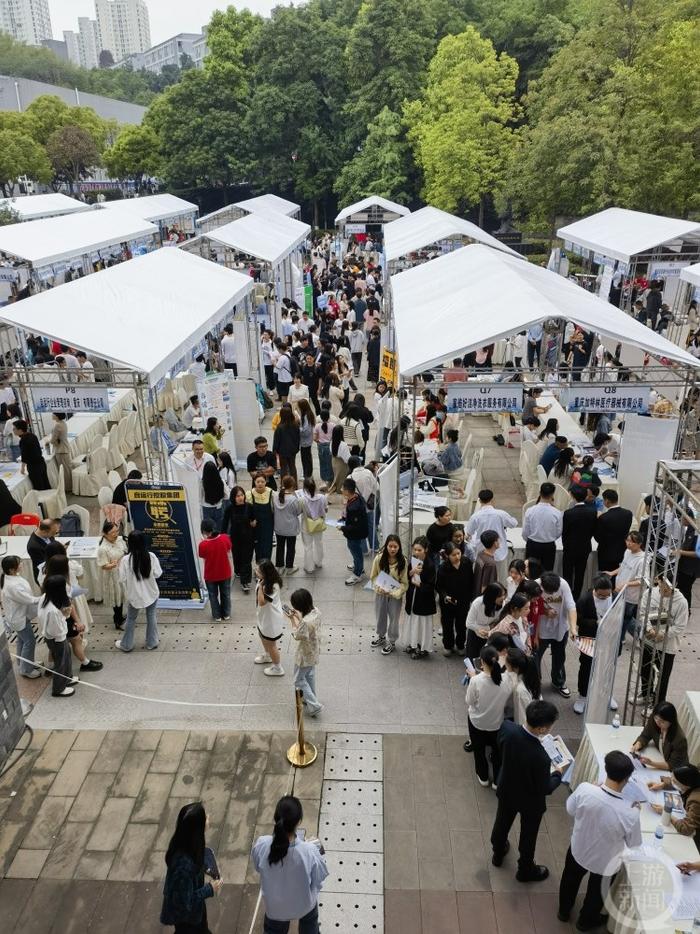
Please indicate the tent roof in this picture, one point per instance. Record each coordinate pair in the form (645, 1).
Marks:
(144, 314)
(622, 234)
(428, 225)
(264, 235)
(469, 298)
(691, 274)
(32, 207)
(269, 203)
(154, 208)
(367, 203)
(56, 238)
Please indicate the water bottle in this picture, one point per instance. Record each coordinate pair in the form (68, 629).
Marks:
(666, 815)
(615, 723)
(659, 836)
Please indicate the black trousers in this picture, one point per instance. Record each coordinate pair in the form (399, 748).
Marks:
(529, 828)
(648, 674)
(307, 463)
(684, 582)
(269, 376)
(286, 543)
(454, 625)
(474, 644)
(356, 362)
(232, 366)
(584, 673)
(545, 552)
(558, 658)
(481, 741)
(570, 883)
(573, 568)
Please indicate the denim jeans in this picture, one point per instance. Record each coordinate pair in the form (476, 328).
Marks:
(215, 513)
(355, 549)
(219, 598)
(152, 637)
(325, 462)
(307, 925)
(305, 680)
(25, 648)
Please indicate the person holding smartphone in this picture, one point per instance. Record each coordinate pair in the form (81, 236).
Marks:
(185, 891)
(306, 622)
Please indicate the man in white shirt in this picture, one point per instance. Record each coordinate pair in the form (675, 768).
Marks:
(488, 518)
(604, 824)
(542, 526)
(87, 370)
(228, 350)
(304, 323)
(193, 410)
(628, 577)
(557, 623)
(198, 458)
(198, 369)
(69, 364)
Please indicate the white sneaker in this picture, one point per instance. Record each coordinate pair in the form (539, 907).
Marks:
(66, 692)
(484, 784)
(262, 659)
(32, 674)
(353, 579)
(274, 671)
(613, 703)
(580, 705)
(290, 571)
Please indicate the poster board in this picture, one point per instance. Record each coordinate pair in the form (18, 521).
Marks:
(607, 644)
(245, 413)
(215, 396)
(644, 442)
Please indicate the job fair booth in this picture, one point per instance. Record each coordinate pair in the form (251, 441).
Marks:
(37, 207)
(367, 217)
(622, 246)
(46, 253)
(174, 217)
(152, 315)
(260, 204)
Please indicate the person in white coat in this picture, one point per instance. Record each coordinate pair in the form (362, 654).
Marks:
(19, 607)
(138, 572)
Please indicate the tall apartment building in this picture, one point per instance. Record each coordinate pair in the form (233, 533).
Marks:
(123, 27)
(26, 20)
(169, 52)
(200, 50)
(83, 46)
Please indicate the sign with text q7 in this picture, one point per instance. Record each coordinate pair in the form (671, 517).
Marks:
(471, 398)
(90, 398)
(621, 398)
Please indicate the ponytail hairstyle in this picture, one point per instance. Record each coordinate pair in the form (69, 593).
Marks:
(326, 410)
(289, 485)
(516, 602)
(9, 563)
(526, 668)
(310, 486)
(288, 816)
(489, 656)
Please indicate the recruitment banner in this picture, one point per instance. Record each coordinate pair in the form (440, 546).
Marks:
(91, 398)
(159, 510)
(215, 396)
(625, 397)
(387, 368)
(470, 398)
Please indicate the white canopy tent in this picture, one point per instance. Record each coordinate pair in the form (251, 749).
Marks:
(35, 207)
(157, 208)
(266, 236)
(691, 274)
(622, 234)
(373, 201)
(474, 296)
(144, 315)
(54, 239)
(428, 226)
(262, 203)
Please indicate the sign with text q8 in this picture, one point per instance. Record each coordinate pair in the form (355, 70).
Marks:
(90, 398)
(472, 398)
(623, 398)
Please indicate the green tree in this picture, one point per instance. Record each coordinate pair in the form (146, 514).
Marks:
(49, 113)
(461, 129)
(388, 50)
(8, 216)
(73, 154)
(106, 59)
(382, 165)
(21, 155)
(134, 154)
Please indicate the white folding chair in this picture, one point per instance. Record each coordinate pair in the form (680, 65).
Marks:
(562, 500)
(114, 479)
(115, 458)
(89, 477)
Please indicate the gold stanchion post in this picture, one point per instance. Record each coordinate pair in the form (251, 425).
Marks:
(301, 753)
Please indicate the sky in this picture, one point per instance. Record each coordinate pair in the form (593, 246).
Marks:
(168, 17)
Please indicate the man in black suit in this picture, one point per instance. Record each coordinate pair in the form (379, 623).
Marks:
(578, 526)
(610, 532)
(36, 546)
(524, 781)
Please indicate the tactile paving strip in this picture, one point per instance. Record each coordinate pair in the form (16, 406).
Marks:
(342, 912)
(361, 834)
(358, 873)
(349, 764)
(372, 741)
(340, 799)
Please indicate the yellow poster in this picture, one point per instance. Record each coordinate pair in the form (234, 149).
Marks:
(388, 369)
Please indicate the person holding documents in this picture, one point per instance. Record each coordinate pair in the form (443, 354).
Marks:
(604, 824)
(686, 780)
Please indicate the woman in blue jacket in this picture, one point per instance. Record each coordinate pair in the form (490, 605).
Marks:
(185, 890)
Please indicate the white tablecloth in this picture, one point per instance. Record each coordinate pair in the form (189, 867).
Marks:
(85, 552)
(570, 428)
(689, 718)
(84, 426)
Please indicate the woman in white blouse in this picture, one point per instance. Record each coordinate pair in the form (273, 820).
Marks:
(525, 680)
(483, 614)
(488, 694)
(138, 571)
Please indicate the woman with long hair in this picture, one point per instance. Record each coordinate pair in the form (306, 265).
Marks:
(270, 617)
(483, 613)
(454, 584)
(213, 494)
(340, 455)
(564, 466)
(323, 431)
(663, 730)
(487, 696)
(260, 499)
(686, 780)
(239, 525)
(138, 571)
(286, 442)
(314, 508)
(292, 871)
(211, 436)
(80, 618)
(19, 606)
(52, 617)
(526, 682)
(387, 600)
(420, 601)
(307, 422)
(227, 472)
(549, 432)
(185, 891)
(513, 622)
(286, 508)
(110, 550)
